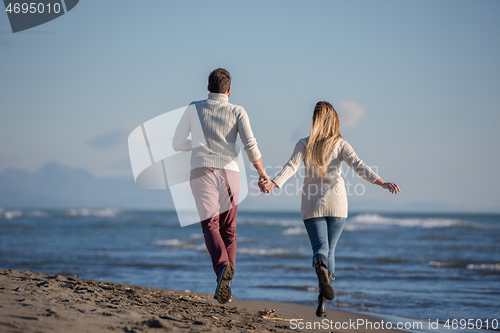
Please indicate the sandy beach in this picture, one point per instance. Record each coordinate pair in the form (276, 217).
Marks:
(37, 302)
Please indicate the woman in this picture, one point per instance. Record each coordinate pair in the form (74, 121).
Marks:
(324, 199)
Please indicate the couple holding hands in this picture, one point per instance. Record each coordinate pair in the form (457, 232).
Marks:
(214, 180)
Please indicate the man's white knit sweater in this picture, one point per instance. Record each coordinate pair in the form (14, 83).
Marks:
(214, 124)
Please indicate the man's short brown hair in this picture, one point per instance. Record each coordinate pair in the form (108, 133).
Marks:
(219, 81)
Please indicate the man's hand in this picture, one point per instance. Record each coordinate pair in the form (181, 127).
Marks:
(263, 179)
(268, 186)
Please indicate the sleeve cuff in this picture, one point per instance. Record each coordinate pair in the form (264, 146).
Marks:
(254, 155)
(279, 181)
(372, 177)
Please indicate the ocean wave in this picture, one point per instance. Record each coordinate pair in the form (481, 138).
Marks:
(490, 267)
(196, 236)
(469, 266)
(37, 213)
(298, 288)
(352, 227)
(180, 244)
(352, 268)
(264, 252)
(291, 268)
(355, 294)
(148, 265)
(15, 213)
(108, 212)
(299, 230)
(365, 221)
(340, 304)
(444, 264)
(271, 222)
(10, 214)
(391, 260)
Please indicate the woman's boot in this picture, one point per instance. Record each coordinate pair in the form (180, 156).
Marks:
(325, 286)
(321, 309)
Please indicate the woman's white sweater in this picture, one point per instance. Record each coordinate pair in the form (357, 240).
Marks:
(325, 196)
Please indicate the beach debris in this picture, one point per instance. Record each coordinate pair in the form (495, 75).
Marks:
(166, 316)
(153, 322)
(50, 313)
(271, 314)
(267, 312)
(280, 319)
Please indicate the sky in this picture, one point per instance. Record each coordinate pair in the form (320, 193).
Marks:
(416, 85)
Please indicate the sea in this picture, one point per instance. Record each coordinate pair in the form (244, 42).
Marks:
(428, 267)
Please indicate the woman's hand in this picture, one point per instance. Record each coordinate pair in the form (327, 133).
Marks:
(268, 186)
(392, 187)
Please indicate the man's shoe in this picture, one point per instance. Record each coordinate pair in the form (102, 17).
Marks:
(230, 300)
(223, 291)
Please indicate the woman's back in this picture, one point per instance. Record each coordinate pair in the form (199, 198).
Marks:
(325, 195)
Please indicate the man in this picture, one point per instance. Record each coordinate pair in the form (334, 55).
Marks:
(214, 176)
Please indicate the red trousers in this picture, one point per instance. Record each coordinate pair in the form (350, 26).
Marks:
(216, 195)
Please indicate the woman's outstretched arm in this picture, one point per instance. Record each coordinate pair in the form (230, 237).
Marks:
(289, 169)
(365, 171)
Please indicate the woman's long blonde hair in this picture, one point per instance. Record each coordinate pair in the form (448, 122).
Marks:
(324, 135)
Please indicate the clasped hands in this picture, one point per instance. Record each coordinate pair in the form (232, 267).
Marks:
(266, 185)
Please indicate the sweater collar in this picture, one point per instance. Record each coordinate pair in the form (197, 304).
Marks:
(218, 97)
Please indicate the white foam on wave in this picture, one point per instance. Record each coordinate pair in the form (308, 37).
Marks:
(352, 227)
(442, 264)
(196, 236)
(374, 220)
(107, 212)
(14, 214)
(36, 213)
(491, 267)
(471, 266)
(271, 222)
(10, 214)
(299, 230)
(180, 244)
(263, 252)
(172, 243)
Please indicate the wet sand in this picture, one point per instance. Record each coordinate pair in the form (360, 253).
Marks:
(36, 302)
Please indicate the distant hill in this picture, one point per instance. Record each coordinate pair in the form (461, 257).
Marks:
(58, 186)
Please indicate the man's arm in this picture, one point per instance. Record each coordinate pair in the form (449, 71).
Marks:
(263, 177)
(246, 135)
(250, 146)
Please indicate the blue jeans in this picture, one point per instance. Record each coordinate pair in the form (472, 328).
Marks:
(324, 233)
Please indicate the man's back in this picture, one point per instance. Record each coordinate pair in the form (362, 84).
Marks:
(220, 122)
